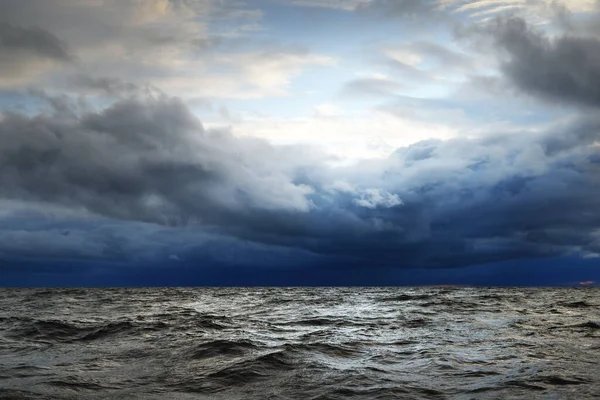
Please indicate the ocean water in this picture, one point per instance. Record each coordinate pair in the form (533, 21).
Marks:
(300, 343)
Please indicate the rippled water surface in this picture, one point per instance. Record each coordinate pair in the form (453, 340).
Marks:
(300, 343)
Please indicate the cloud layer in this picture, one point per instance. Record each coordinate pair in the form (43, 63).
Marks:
(108, 158)
(435, 203)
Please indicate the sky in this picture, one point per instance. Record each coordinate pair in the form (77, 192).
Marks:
(299, 142)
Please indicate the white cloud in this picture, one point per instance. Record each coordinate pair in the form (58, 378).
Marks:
(373, 198)
(476, 9)
(540, 10)
(404, 55)
(327, 110)
(269, 73)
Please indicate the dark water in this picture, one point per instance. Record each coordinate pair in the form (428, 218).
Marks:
(322, 343)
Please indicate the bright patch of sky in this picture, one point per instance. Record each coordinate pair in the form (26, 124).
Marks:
(355, 104)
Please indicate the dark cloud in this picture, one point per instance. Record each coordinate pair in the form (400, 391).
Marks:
(148, 160)
(563, 69)
(433, 204)
(105, 85)
(28, 52)
(34, 40)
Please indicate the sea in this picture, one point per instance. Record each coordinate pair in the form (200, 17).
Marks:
(300, 343)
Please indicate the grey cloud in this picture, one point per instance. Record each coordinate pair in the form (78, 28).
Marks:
(108, 86)
(371, 86)
(145, 160)
(394, 8)
(564, 69)
(35, 40)
(137, 41)
(388, 8)
(131, 24)
(27, 53)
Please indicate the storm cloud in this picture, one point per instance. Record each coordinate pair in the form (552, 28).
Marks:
(432, 204)
(138, 159)
(563, 69)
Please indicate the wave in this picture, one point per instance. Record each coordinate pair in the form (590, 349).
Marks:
(318, 321)
(559, 380)
(589, 324)
(575, 304)
(63, 331)
(405, 297)
(333, 350)
(13, 394)
(223, 347)
(394, 392)
(258, 366)
(77, 384)
(416, 323)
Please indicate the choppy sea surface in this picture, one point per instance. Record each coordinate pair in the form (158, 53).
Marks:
(300, 343)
